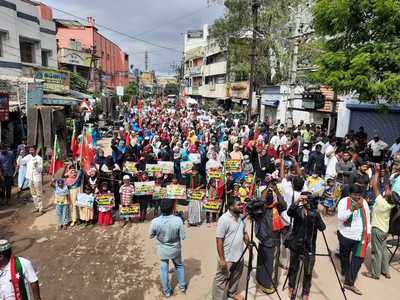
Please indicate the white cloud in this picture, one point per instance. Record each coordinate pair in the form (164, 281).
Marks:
(160, 21)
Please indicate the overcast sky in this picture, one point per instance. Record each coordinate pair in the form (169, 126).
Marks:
(159, 21)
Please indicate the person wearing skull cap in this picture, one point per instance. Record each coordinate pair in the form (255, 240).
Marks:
(18, 279)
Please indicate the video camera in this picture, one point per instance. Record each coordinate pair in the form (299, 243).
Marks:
(311, 202)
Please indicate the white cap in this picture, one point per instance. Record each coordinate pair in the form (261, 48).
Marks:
(126, 177)
(4, 245)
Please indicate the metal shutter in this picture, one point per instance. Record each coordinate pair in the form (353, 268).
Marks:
(387, 124)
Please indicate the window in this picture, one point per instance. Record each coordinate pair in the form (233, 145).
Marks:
(27, 49)
(3, 37)
(46, 54)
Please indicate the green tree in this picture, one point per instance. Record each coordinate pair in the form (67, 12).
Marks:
(131, 90)
(77, 83)
(171, 89)
(360, 40)
(233, 32)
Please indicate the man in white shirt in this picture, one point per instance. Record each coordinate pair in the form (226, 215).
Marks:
(275, 141)
(34, 171)
(395, 148)
(283, 138)
(377, 148)
(354, 229)
(18, 279)
(330, 159)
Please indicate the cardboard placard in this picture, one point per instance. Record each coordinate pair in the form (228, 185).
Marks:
(233, 166)
(131, 167)
(195, 158)
(196, 195)
(153, 169)
(214, 174)
(129, 211)
(186, 167)
(105, 200)
(167, 167)
(176, 191)
(159, 193)
(84, 200)
(212, 206)
(144, 188)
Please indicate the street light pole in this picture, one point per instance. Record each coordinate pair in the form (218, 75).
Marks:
(255, 5)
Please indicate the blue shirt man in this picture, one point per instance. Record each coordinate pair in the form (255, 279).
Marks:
(168, 229)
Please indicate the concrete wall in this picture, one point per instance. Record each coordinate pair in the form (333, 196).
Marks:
(22, 19)
(112, 58)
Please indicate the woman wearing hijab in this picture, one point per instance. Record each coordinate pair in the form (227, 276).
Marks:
(195, 182)
(23, 182)
(74, 182)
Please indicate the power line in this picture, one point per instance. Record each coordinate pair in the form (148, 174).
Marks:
(173, 21)
(119, 32)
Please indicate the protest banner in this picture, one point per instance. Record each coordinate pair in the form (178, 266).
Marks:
(159, 193)
(233, 166)
(212, 206)
(167, 167)
(129, 211)
(144, 188)
(153, 169)
(131, 167)
(195, 158)
(176, 191)
(105, 200)
(214, 174)
(186, 167)
(196, 195)
(84, 200)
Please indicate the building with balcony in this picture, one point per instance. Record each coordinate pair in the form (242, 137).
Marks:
(27, 37)
(194, 47)
(80, 43)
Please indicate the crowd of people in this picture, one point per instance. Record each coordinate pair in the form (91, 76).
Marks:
(164, 160)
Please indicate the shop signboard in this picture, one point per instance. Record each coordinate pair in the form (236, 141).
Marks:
(54, 81)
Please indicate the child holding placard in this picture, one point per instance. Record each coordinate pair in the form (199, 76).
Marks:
(61, 201)
(105, 203)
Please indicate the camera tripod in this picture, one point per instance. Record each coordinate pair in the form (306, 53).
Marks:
(295, 289)
(250, 247)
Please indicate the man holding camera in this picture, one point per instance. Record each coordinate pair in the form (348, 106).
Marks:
(302, 240)
(231, 233)
(268, 230)
(353, 234)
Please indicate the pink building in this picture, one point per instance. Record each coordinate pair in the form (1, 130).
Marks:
(75, 40)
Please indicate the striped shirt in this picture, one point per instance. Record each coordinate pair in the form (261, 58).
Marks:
(126, 192)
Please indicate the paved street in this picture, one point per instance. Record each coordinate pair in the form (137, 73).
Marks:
(115, 263)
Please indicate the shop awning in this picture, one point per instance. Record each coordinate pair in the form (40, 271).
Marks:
(53, 99)
(270, 103)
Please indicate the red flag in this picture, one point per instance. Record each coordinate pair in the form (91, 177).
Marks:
(127, 139)
(74, 144)
(87, 152)
(56, 160)
(131, 103)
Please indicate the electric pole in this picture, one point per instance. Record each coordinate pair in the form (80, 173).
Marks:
(255, 5)
(92, 67)
(146, 61)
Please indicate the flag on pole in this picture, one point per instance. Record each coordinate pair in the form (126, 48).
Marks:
(139, 108)
(74, 143)
(131, 103)
(56, 161)
(87, 151)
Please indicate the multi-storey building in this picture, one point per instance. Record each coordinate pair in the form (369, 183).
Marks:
(27, 37)
(79, 44)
